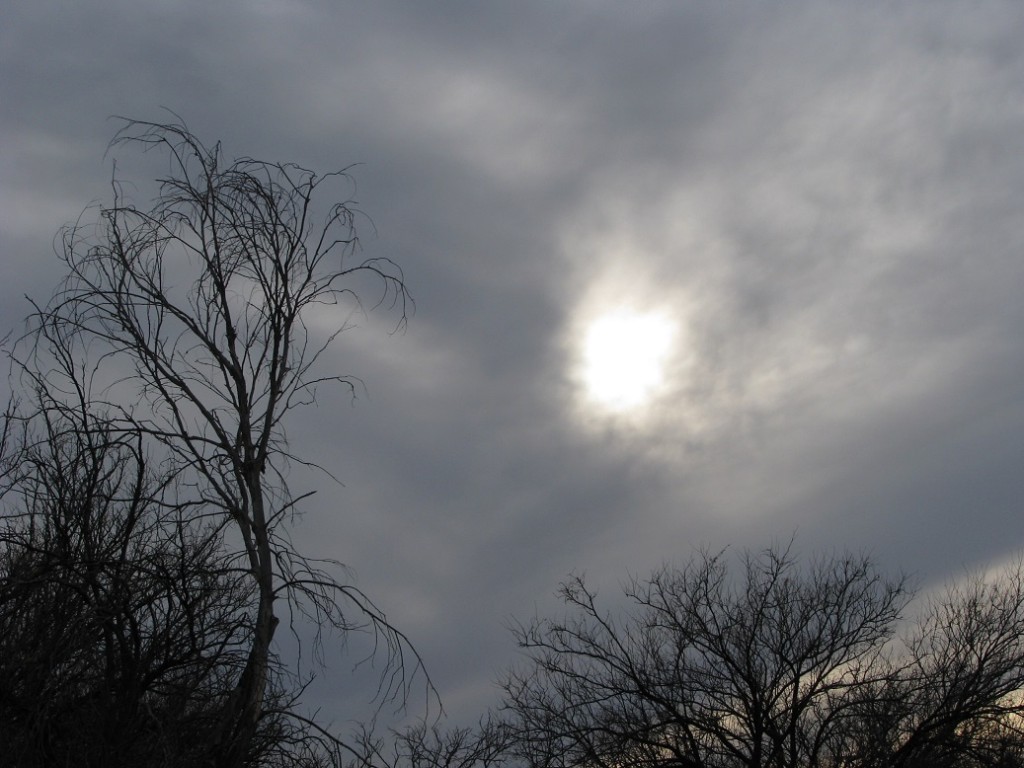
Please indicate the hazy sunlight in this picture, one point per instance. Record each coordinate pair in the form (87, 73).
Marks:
(624, 357)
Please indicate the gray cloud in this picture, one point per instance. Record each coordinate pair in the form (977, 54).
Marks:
(823, 194)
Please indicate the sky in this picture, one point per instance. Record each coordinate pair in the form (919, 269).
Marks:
(687, 275)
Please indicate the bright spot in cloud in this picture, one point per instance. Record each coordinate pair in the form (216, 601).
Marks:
(625, 354)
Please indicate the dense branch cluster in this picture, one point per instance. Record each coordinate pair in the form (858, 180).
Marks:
(776, 666)
(121, 628)
(149, 468)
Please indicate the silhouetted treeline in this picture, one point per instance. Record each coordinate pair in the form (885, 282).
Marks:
(775, 664)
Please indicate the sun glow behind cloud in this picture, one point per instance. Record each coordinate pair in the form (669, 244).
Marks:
(624, 357)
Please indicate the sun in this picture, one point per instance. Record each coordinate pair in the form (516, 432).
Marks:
(624, 358)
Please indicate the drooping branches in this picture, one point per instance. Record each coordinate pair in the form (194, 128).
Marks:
(198, 324)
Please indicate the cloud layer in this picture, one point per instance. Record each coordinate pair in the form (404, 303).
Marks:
(823, 195)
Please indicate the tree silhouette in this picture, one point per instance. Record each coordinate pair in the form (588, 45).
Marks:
(780, 665)
(191, 325)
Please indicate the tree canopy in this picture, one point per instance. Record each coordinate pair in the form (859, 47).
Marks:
(782, 664)
(149, 451)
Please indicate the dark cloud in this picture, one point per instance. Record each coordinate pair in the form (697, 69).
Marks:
(823, 194)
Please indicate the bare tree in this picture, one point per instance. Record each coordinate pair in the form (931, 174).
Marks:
(708, 670)
(778, 666)
(120, 629)
(123, 625)
(190, 324)
(955, 692)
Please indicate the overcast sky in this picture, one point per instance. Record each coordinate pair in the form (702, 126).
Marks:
(813, 208)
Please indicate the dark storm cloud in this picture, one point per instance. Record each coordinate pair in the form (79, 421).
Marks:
(824, 193)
